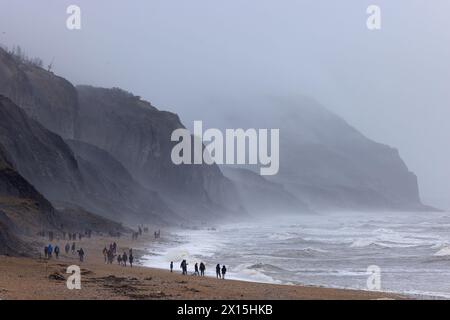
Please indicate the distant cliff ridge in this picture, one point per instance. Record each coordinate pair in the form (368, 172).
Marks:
(325, 163)
(108, 152)
(329, 165)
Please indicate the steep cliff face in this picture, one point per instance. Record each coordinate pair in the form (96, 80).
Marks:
(40, 156)
(110, 185)
(324, 162)
(127, 128)
(45, 97)
(124, 168)
(22, 209)
(139, 136)
(330, 165)
(48, 163)
(12, 184)
(10, 244)
(24, 212)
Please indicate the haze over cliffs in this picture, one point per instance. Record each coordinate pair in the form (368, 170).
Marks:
(138, 135)
(50, 99)
(118, 162)
(329, 164)
(324, 162)
(107, 151)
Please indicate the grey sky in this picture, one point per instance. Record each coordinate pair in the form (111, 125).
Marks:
(393, 84)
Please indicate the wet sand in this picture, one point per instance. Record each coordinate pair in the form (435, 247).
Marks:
(39, 279)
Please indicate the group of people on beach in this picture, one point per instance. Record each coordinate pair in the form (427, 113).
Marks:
(74, 236)
(49, 250)
(199, 270)
(141, 229)
(122, 259)
(110, 254)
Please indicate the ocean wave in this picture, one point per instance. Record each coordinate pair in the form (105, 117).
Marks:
(266, 267)
(283, 236)
(443, 252)
(309, 249)
(248, 273)
(363, 243)
(299, 253)
(440, 245)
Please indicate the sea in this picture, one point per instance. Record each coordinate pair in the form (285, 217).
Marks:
(409, 250)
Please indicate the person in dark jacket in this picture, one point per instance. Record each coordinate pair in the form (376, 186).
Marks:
(218, 271)
(81, 254)
(202, 269)
(183, 267)
(50, 251)
(124, 259)
(224, 270)
(196, 270)
(131, 259)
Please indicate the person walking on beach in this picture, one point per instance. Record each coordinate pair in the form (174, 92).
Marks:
(111, 256)
(224, 270)
(119, 259)
(105, 254)
(218, 271)
(202, 269)
(124, 259)
(57, 252)
(184, 267)
(171, 266)
(46, 252)
(81, 254)
(67, 248)
(196, 269)
(50, 251)
(131, 259)
(73, 248)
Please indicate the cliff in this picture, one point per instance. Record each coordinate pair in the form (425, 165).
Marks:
(139, 136)
(45, 97)
(49, 164)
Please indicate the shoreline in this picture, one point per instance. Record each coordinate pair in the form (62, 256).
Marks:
(40, 279)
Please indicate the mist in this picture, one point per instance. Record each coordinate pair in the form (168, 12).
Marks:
(204, 58)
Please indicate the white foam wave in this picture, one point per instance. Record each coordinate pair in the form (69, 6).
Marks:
(443, 252)
(247, 273)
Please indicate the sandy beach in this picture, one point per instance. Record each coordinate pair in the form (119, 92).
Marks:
(39, 279)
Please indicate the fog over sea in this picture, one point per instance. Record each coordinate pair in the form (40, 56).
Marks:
(332, 250)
